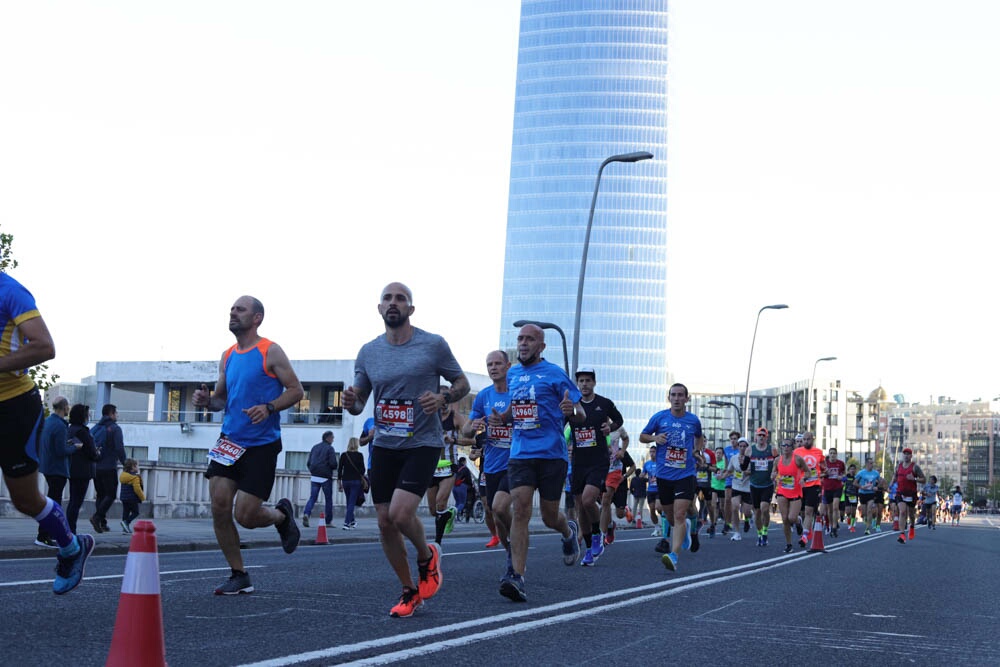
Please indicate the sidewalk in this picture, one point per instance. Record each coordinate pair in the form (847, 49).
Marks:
(17, 535)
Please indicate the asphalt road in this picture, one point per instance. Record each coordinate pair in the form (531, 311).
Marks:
(867, 601)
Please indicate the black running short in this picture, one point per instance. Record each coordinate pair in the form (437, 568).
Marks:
(408, 469)
(496, 482)
(763, 494)
(20, 429)
(676, 489)
(253, 472)
(548, 476)
(810, 496)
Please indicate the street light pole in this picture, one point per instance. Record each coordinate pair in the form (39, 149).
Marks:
(548, 325)
(725, 404)
(746, 394)
(809, 398)
(625, 157)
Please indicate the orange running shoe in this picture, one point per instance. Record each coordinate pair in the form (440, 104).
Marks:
(912, 533)
(430, 574)
(408, 603)
(494, 541)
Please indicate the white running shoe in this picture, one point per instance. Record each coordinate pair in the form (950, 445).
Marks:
(656, 532)
(736, 537)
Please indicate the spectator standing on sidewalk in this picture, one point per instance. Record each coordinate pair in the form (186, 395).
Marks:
(352, 481)
(111, 446)
(53, 459)
(81, 463)
(322, 466)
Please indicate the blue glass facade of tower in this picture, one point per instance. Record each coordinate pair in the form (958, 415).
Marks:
(592, 83)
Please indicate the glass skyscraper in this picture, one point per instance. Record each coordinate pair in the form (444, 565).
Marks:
(592, 83)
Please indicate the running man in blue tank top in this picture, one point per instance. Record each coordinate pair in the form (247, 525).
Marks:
(256, 382)
(543, 399)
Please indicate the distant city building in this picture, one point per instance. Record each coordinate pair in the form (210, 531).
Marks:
(592, 83)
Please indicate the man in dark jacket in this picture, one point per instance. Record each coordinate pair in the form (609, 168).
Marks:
(322, 466)
(110, 443)
(53, 459)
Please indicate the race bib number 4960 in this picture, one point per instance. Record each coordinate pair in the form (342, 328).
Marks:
(525, 412)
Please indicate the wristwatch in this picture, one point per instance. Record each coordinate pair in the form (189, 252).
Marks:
(271, 409)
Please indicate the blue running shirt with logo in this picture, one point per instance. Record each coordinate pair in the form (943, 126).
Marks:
(535, 393)
(396, 376)
(649, 467)
(867, 480)
(675, 459)
(496, 450)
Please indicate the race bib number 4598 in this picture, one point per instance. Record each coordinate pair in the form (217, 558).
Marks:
(394, 417)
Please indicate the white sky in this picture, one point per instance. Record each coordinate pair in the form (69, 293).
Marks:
(157, 160)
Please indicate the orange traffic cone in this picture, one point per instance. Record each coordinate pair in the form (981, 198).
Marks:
(138, 634)
(817, 539)
(321, 537)
(638, 520)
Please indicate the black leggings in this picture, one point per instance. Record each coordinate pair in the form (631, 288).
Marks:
(77, 492)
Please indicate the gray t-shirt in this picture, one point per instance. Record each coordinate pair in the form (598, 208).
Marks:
(396, 375)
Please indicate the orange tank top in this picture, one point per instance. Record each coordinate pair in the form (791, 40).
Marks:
(789, 482)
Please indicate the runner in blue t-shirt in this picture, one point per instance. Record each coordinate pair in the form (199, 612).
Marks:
(678, 436)
(494, 450)
(652, 492)
(367, 437)
(543, 398)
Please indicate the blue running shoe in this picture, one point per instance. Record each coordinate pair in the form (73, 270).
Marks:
(512, 587)
(588, 559)
(686, 544)
(670, 561)
(597, 545)
(570, 546)
(69, 569)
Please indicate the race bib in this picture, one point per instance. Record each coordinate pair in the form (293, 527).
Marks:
(226, 452)
(585, 437)
(676, 457)
(787, 482)
(812, 476)
(761, 465)
(701, 475)
(499, 436)
(525, 412)
(832, 474)
(906, 499)
(394, 417)
(852, 499)
(738, 474)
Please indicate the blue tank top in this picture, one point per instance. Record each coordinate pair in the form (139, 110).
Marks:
(248, 383)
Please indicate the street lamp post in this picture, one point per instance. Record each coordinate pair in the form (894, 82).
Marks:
(809, 398)
(625, 157)
(727, 404)
(746, 394)
(548, 325)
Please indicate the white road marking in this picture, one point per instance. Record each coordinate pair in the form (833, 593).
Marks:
(719, 609)
(875, 615)
(672, 586)
(35, 582)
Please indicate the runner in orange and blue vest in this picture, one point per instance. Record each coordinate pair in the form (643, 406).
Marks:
(256, 382)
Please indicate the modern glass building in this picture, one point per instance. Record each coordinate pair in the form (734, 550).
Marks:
(592, 83)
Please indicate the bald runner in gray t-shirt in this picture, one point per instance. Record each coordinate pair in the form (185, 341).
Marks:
(399, 374)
